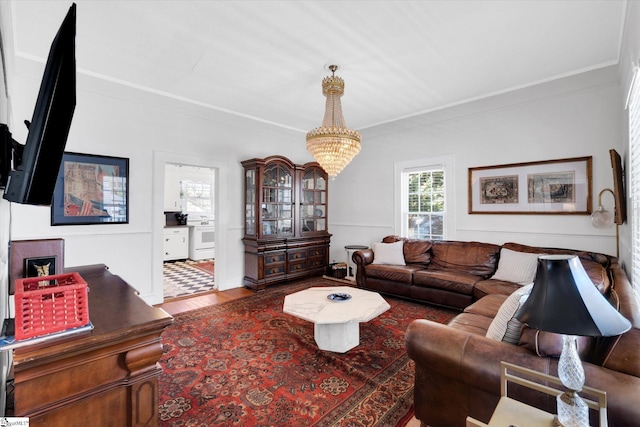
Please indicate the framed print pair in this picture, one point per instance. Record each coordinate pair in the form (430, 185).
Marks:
(560, 186)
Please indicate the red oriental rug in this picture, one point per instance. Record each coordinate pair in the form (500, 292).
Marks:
(246, 363)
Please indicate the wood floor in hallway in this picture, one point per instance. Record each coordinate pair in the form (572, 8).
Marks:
(182, 304)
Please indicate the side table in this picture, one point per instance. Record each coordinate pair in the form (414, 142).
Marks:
(510, 412)
(513, 412)
(351, 267)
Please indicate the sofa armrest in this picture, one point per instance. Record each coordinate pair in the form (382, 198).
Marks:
(470, 358)
(362, 258)
(457, 373)
(462, 370)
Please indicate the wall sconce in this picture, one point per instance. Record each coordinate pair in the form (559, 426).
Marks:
(603, 218)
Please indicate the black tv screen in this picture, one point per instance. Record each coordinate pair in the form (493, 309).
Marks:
(33, 180)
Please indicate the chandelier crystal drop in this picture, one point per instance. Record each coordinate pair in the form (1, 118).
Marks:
(333, 145)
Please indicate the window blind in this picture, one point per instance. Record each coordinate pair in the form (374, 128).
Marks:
(423, 208)
(634, 179)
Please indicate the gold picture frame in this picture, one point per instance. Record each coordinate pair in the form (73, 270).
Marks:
(548, 187)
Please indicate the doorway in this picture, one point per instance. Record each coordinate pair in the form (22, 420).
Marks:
(189, 230)
(160, 159)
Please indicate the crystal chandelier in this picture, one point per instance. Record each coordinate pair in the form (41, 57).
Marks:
(333, 145)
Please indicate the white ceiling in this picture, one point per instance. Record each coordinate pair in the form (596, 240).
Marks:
(266, 59)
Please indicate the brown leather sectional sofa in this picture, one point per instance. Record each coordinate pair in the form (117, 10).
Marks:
(458, 367)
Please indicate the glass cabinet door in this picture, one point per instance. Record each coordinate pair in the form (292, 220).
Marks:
(250, 202)
(313, 206)
(277, 199)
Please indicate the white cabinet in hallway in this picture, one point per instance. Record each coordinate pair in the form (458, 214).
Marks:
(172, 196)
(176, 243)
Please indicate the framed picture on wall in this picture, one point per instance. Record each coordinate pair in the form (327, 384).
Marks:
(551, 187)
(91, 189)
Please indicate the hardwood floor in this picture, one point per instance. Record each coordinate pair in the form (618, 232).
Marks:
(180, 305)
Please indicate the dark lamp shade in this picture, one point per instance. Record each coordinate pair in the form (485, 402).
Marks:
(564, 300)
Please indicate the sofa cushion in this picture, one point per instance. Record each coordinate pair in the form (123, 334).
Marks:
(491, 287)
(396, 273)
(516, 267)
(450, 280)
(597, 274)
(594, 264)
(504, 326)
(487, 306)
(470, 322)
(591, 256)
(388, 253)
(416, 251)
(476, 258)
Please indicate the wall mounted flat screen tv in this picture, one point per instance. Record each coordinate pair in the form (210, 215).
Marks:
(36, 164)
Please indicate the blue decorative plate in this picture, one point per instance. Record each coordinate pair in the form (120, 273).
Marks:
(339, 297)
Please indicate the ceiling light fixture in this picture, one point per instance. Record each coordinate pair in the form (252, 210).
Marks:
(333, 145)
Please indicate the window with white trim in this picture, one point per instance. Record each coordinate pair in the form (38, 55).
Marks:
(197, 197)
(423, 195)
(423, 214)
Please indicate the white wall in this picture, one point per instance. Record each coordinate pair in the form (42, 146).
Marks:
(572, 117)
(577, 116)
(150, 130)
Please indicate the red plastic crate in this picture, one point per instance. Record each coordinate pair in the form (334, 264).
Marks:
(49, 304)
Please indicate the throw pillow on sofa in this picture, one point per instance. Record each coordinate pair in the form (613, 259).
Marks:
(516, 267)
(505, 327)
(388, 253)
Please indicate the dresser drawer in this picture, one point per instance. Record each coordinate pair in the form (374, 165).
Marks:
(274, 258)
(297, 255)
(273, 270)
(295, 267)
(316, 252)
(316, 263)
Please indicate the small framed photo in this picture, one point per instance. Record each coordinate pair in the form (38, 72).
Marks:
(41, 266)
(91, 189)
(31, 258)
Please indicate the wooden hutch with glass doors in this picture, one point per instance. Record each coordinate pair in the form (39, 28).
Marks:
(285, 217)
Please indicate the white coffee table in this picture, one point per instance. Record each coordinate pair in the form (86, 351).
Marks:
(336, 323)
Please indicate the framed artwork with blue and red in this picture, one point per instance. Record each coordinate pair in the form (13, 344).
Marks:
(91, 189)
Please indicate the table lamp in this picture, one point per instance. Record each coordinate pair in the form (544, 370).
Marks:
(564, 300)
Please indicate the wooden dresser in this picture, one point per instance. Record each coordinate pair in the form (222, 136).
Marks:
(105, 377)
